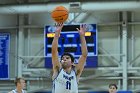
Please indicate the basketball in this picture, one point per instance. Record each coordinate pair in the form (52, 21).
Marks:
(60, 14)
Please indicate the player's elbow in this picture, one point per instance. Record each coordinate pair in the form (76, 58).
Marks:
(53, 51)
(85, 54)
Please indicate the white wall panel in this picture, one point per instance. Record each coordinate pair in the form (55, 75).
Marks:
(8, 20)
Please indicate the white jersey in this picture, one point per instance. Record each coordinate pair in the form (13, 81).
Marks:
(15, 91)
(65, 83)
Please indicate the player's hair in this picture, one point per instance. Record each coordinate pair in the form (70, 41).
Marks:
(68, 54)
(113, 85)
(17, 80)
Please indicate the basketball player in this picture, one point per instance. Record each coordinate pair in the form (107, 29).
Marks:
(113, 88)
(20, 85)
(66, 74)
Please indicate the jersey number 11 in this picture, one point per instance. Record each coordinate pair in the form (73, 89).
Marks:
(68, 85)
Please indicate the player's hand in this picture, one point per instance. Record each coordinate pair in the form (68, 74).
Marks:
(59, 27)
(82, 29)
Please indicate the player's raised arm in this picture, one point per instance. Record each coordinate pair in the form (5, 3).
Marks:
(55, 60)
(83, 57)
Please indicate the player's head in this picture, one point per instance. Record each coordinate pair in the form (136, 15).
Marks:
(67, 60)
(113, 88)
(20, 82)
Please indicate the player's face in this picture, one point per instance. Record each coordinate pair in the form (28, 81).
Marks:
(112, 89)
(66, 61)
(22, 84)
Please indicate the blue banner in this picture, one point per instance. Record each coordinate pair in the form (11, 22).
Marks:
(69, 41)
(4, 55)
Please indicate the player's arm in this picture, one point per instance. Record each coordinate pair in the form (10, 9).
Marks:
(55, 60)
(82, 59)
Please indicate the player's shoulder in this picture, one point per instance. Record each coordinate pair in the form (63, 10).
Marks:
(10, 92)
(13, 92)
(25, 91)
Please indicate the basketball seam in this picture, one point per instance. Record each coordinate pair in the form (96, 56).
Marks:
(59, 10)
(60, 16)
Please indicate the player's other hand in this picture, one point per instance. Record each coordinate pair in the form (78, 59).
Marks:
(82, 29)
